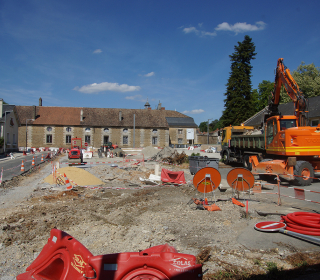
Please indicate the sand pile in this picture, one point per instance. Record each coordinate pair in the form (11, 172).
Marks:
(78, 175)
(149, 151)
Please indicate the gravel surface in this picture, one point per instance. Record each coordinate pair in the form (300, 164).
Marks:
(123, 215)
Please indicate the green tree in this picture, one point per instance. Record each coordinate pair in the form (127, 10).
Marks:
(203, 126)
(264, 93)
(215, 125)
(239, 104)
(308, 79)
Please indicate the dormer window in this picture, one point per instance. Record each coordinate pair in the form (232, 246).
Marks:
(68, 129)
(88, 129)
(154, 130)
(49, 128)
(125, 130)
(106, 130)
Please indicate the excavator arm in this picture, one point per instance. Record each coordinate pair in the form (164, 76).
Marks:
(283, 77)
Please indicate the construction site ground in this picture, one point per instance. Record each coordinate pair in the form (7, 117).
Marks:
(122, 214)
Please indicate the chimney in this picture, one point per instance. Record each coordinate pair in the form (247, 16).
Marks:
(1, 107)
(40, 101)
(120, 116)
(81, 115)
(163, 108)
(34, 112)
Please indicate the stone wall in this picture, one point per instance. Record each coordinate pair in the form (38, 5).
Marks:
(38, 136)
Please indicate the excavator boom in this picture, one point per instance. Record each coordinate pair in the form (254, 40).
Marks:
(283, 77)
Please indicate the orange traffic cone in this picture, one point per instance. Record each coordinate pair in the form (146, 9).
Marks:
(237, 202)
(42, 157)
(33, 164)
(22, 166)
(69, 186)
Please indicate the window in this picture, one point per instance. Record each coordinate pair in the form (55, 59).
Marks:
(271, 131)
(179, 140)
(87, 129)
(106, 130)
(154, 140)
(125, 140)
(68, 129)
(154, 130)
(49, 138)
(68, 139)
(125, 130)
(179, 131)
(314, 122)
(105, 139)
(284, 124)
(49, 128)
(87, 139)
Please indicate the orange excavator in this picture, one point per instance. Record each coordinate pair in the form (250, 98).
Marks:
(292, 149)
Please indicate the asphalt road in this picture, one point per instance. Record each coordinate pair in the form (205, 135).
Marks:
(12, 167)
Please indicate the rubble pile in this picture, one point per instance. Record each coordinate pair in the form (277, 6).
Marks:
(164, 153)
(176, 158)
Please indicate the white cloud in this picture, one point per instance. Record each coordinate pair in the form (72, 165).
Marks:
(97, 51)
(240, 27)
(190, 30)
(195, 111)
(149, 74)
(198, 32)
(96, 88)
(134, 97)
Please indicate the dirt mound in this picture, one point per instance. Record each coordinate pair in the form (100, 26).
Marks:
(76, 175)
(164, 153)
(149, 151)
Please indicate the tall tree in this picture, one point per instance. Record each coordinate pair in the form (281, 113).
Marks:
(239, 104)
(308, 79)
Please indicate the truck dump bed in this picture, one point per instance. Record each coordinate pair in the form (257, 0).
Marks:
(248, 142)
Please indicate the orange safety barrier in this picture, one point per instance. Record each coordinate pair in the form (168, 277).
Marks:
(63, 257)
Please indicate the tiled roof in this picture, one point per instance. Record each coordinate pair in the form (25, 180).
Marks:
(181, 122)
(96, 117)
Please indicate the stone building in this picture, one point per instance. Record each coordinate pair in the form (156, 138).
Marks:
(56, 126)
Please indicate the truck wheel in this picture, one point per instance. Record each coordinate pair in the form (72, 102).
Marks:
(246, 163)
(303, 169)
(226, 157)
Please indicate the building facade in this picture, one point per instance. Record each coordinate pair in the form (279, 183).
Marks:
(42, 126)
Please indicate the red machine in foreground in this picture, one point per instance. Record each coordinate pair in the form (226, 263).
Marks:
(63, 257)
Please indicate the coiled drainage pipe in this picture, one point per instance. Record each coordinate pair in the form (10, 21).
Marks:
(303, 222)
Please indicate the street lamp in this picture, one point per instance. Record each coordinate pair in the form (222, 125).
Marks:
(27, 131)
(5, 131)
(208, 129)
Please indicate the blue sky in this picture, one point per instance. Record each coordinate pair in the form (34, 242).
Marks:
(116, 54)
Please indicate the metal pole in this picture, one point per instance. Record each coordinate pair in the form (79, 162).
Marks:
(208, 130)
(134, 130)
